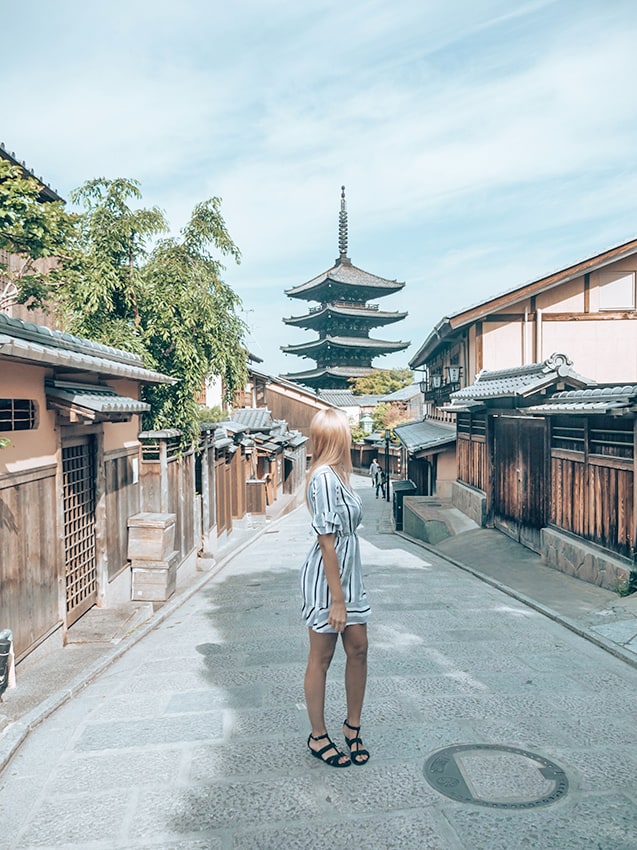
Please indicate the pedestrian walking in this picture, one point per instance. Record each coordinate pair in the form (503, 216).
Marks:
(380, 482)
(374, 469)
(334, 598)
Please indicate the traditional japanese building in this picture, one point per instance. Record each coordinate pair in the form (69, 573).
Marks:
(343, 319)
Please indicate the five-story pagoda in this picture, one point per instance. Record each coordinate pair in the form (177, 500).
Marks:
(343, 349)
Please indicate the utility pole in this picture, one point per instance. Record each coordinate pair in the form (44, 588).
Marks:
(387, 434)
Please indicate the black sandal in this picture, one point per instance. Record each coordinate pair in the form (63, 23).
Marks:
(360, 756)
(332, 761)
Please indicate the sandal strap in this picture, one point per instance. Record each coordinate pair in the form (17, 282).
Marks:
(335, 758)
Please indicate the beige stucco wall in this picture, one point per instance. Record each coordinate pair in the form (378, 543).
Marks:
(28, 449)
(446, 472)
(120, 434)
(602, 351)
(602, 344)
(32, 449)
(501, 344)
(567, 298)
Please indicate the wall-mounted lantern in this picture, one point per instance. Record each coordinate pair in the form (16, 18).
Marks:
(453, 374)
(436, 381)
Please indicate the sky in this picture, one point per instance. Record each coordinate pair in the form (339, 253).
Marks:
(482, 143)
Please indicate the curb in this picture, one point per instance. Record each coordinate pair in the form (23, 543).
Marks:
(603, 643)
(16, 733)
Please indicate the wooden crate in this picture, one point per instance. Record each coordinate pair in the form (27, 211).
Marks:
(151, 536)
(154, 581)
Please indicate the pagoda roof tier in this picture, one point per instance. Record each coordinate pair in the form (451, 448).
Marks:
(344, 281)
(345, 343)
(369, 315)
(329, 377)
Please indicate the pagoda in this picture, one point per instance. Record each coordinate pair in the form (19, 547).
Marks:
(343, 349)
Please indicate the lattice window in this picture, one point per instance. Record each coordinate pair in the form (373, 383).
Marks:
(569, 434)
(611, 438)
(463, 423)
(471, 425)
(17, 414)
(479, 424)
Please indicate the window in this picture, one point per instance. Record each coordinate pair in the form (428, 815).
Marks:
(617, 291)
(17, 414)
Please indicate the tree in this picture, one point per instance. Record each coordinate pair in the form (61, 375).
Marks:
(387, 415)
(382, 382)
(167, 303)
(30, 230)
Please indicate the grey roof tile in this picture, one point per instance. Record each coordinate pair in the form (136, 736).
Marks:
(424, 434)
(102, 400)
(254, 418)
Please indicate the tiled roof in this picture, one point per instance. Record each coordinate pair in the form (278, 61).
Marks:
(346, 273)
(358, 311)
(593, 400)
(98, 399)
(254, 418)
(346, 342)
(346, 398)
(404, 394)
(327, 372)
(424, 434)
(39, 344)
(519, 381)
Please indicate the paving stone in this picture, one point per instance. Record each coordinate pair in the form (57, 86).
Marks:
(138, 733)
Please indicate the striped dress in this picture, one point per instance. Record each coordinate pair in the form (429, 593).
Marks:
(335, 510)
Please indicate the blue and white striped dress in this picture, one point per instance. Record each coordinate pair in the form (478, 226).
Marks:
(335, 510)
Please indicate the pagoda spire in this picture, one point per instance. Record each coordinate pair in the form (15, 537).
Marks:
(342, 231)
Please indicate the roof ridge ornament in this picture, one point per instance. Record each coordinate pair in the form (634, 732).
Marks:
(342, 231)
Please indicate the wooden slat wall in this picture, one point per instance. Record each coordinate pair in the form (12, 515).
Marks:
(594, 501)
(472, 462)
(29, 602)
(181, 501)
(122, 501)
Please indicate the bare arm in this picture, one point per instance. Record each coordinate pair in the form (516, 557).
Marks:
(338, 614)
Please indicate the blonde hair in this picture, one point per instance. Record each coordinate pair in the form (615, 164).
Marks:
(331, 441)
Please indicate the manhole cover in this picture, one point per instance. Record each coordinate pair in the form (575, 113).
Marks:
(495, 776)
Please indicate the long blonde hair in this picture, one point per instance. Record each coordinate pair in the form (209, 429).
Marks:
(331, 441)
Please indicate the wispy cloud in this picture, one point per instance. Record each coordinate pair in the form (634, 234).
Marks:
(479, 144)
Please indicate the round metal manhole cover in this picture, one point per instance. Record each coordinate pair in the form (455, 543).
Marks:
(495, 776)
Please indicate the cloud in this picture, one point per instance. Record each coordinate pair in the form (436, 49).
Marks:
(479, 144)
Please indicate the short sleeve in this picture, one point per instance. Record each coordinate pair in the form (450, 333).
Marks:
(323, 498)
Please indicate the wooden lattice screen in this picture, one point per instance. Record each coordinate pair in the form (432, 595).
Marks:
(78, 467)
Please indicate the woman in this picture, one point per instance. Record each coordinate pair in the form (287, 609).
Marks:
(334, 599)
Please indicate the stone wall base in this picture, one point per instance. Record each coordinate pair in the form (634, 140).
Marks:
(578, 558)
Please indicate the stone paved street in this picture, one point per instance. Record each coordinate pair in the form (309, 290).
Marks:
(195, 737)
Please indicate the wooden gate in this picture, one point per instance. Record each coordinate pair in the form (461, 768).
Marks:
(78, 474)
(519, 507)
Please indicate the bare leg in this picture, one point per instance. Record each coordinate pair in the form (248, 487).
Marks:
(355, 645)
(321, 653)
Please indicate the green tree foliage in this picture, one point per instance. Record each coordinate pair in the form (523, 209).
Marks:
(387, 415)
(120, 283)
(29, 230)
(382, 382)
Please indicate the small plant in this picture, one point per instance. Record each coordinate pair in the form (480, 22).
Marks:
(4, 442)
(626, 586)
(212, 414)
